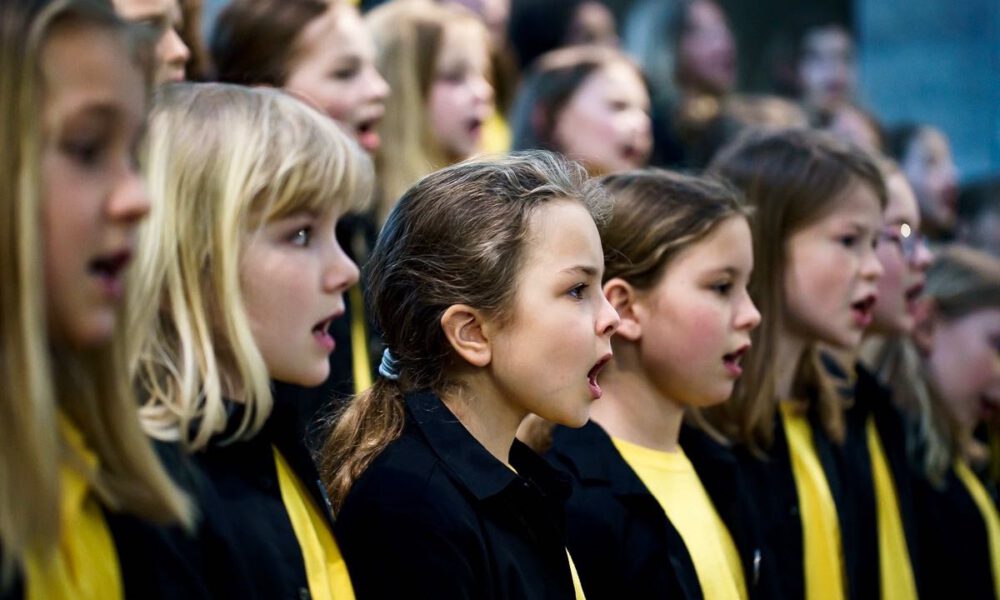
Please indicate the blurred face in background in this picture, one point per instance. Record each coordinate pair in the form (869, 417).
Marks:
(605, 125)
(461, 96)
(164, 16)
(594, 24)
(706, 54)
(930, 170)
(827, 76)
(964, 363)
(495, 15)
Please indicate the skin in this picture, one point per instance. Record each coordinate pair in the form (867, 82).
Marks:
(605, 125)
(706, 54)
(540, 360)
(293, 276)
(334, 68)
(831, 265)
(903, 276)
(964, 364)
(165, 17)
(593, 23)
(461, 97)
(674, 344)
(827, 71)
(929, 168)
(93, 197)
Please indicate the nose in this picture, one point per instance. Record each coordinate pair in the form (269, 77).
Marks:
(341, 272)
(129, 202)
(871, 266)
(482, 89)
(378, 87)
(922, 256)
(173, 49)
(607, 318)
(747, 315)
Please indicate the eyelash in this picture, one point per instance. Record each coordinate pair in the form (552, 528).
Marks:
(87, 153)
(723, 288)
(577, 290)
(306, 233)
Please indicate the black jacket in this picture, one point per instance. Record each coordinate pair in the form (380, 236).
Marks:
(436, 516)
(246, 479)
(623, 543)
(954, 550)
(772, 485)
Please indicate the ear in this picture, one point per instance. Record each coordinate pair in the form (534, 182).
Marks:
(622, 296)
(463, 326)
(923, 327)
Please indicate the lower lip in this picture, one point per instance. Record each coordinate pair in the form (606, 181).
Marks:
(862, 318)
(595, 389)
(111, 287)
(325, 340)
(370, 141)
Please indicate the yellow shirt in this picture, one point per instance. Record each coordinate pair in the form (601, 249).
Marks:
(326, 570)
(893, 554)
(85, 565)
(672, 480)
(577, 586)
(990, 517)
(496, 135)
(823, 560)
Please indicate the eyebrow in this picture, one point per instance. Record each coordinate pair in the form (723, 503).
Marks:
(587, 270)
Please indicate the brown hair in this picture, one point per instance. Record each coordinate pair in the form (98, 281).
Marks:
(792, 178)
(456, 237)
(254, 41)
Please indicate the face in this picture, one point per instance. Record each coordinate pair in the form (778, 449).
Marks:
(905, 259)
(461, 98)
(696, 321)
(832, 272)
(929, 168)
(334, 68)
(546, 358)
(92, 196)
(594, 24)
(827, 69)
(293, 275)
(964, 364)
(850, 124)
(605, 125)
(706, 55)
(165, 17)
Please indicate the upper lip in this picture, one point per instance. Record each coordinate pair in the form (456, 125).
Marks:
(865, 302)
(914, 290)
(112, 262)
(370, 119)
(735, 354)
(324, 324)
(599, 365)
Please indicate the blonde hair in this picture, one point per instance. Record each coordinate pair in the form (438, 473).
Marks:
(409, 36)
(41, 379)
(222, 160)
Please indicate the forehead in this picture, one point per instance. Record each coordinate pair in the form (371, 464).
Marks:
(614, 77)
(141, 9)
(339, 30)
(87, 66)
(902, 205)
(562, 234)
(827, 39)
(858, 203)
(463, 39)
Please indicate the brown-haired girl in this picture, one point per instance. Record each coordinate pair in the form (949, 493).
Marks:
(818, 212)
(75, 461)
(486, 284)
(589, 103)
(658, 510)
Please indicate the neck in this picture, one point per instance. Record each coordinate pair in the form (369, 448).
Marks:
(486, 415)
(788, 352)
(631, 409)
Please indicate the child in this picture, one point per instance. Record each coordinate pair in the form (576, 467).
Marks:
(884, 364)
(240, 278)
(657, 512)
(76, 470)
(436, 59)
(588, 103)
(819, 209)
(486, 284)
(958, 389)
(925, 158)
(164, 19)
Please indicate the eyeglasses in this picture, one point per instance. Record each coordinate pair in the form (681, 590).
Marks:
(905, 238)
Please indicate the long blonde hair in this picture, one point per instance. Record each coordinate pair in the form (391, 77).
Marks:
(42, 379)
(409, 36)
(222, 161)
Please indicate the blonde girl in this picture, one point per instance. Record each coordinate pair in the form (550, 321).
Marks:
(486, 284)
(657, 510)
(818, 212)
(75, 461)
(240, 278)
(436, 60)
(958, 390)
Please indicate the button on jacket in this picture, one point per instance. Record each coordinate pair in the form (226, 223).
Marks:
(437, 516)
(622, 542)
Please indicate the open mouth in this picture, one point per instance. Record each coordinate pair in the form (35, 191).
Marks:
(733, 359)
(595, 388)
(367, 133)
(862, 310)
(914, 292)
(108, 270)
(321, 332)
(474, 126)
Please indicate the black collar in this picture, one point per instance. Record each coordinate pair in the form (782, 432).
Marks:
(597, 460)
(478, 470)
